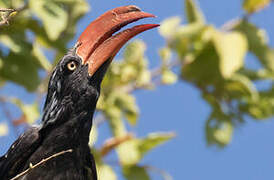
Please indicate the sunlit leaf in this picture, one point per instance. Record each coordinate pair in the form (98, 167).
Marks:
(78, 8)
(106, 172)
(165, 53)
(257, 43)
(38, 53)
(128, 105)
(134, 51)
(252, 6)
(134, 150)
(169, 26)
(231, 49)
(143, 78)
(193, 12)
(186, 39)
(15, 44)
(113, 112)
(129, 153)
(153, 140)
(128, 72)
(54, 17)
(224, 133)
(168, 77)
(219, 129)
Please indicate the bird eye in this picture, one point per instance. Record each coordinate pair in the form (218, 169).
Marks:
(72, 65)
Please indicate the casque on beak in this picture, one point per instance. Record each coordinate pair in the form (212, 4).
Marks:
(97, 45)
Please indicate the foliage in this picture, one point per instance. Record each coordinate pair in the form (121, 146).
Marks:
(227, 84)
(212, 59)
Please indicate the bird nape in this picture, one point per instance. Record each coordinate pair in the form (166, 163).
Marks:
(73, 91)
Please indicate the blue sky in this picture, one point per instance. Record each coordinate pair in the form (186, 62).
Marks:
(180, 108)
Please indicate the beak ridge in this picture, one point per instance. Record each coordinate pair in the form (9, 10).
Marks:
(96, 44)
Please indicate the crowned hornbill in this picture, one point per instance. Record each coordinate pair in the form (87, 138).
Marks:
(73, 90)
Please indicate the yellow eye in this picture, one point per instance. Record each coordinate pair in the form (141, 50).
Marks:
(72, 65)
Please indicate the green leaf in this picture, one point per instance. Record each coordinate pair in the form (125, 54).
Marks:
(129, 72)
(231, 49)
(134, 52)
(129, 153)
(169, 26)
(4, 130)
(143, 78)
(134, 67)
(135, 173)
(113, 112)
(240, 86)
(224, 133)
(153, 140)
(15, 44)
(106, 172)
(54, 17)
(260, 74)
(202, 67)
(38, 53)
(193, 12)
(165, 54)
(252, 6)
(80, 7)
(219, 129)
(168, 77)
(263, 107)
(21, 70)
(133, 151)
(261, 110)
(186, 39)
(127, 103)
(257, 42)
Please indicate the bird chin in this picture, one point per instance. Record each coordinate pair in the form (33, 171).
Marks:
(101, 71)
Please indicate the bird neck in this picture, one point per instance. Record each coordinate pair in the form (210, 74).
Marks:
(65, 122)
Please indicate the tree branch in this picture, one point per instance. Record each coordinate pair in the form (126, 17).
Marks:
(114, 142)
(230, 24)
(7, 14)
(164, 174)
(31, 167)
(6, 10)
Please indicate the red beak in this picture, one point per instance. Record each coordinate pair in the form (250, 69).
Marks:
(97, 45)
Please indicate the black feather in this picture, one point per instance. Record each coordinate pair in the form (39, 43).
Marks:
(66, 124)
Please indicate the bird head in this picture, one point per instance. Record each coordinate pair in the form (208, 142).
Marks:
(75, 82)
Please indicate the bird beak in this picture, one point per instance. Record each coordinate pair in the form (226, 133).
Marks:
(97, 44)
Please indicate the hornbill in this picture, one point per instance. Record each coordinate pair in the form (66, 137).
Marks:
(73, 91)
